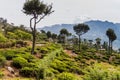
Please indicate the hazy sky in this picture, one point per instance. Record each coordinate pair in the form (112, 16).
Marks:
(66, 11)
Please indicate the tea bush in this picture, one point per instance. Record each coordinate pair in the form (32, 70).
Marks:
(9, 54)
(59, 65)
(11, 35)
(2, 38)
(1, 74)
(44, 74)
(19, 62)
(101, 71)
(67, 76)
(25, 55)
(2, 61)
(22, 35)
(28, 72)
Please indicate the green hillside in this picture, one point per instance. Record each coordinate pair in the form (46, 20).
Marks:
(29, 54)
(53, 60)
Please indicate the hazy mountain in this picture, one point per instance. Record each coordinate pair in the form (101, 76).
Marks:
(97, 29)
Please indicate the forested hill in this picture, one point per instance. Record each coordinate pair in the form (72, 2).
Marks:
(97, 29)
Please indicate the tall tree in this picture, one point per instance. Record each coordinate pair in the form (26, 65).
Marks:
(98, 42)
(111, 36)
(90, 42)
(49, 35)
(54, 37)
(38, 10)
(64, 33)
(80, 29)
(105, 45)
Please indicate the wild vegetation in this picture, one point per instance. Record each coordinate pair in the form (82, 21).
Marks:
(56, 57)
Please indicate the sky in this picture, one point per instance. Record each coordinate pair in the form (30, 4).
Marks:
(66, 11)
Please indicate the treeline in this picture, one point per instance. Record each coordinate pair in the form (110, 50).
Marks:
(68, 39)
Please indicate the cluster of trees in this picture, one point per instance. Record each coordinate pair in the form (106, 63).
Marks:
(38, 10)
(81, 29)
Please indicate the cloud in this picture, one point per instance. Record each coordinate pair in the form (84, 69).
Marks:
(66, 11)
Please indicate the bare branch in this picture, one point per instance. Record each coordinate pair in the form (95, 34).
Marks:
(40, 19)
(43, 17)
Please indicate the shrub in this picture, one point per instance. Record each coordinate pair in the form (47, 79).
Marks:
(40, 74)
(1, 74)
(101, 71)
(41, 36)
(54, 71)
(28, 72)
(2, 61)
(76, 69)
(23, 35)
(19, 62)
(78, 58)
(25, 55)
(7, 44)
(49, 73)
(66, 76)
(9, 55)
(44, 73)
(84, 47)
(59, 65)
(2, 38)
(95, 73)
(11, 35)
(32, 65)
(21, 43)
(43, 50)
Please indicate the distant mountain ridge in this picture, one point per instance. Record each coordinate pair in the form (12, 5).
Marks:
(97, 29)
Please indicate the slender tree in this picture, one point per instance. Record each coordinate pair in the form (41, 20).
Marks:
(105, 45)
(80, 29)
(54, 37)
(111, 36)
(64, 33)
(90, 42)
(98, 42)
(38, 10)
(49, 35)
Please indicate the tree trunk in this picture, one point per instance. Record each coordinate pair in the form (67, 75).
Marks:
(109, 47)
(79, 42)
(33, 42)
(34, 38)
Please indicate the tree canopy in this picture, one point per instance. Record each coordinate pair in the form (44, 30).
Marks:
(112, 36)
(64, 32)
(36, 7)
(81, 29)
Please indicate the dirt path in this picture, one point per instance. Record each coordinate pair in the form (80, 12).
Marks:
(70, 53)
